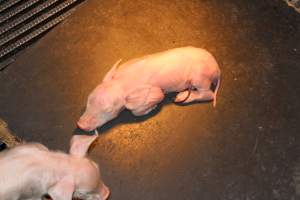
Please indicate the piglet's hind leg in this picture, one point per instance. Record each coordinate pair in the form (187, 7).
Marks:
(195, 95)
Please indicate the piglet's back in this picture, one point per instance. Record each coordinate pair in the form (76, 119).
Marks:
(16, 162)
(163, 63)
(21, 150)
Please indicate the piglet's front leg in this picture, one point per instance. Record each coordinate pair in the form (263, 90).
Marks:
(143, 99)
(143, 112)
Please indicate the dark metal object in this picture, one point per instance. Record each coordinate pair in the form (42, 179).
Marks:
(16, 10)
(2, 145)
(23, 21)
(33, 34)
(11, 24)
(35, 22)
(8, 4)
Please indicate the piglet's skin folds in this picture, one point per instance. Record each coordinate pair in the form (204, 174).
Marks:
(140, 84)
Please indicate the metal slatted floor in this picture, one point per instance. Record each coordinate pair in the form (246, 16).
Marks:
(22, 21)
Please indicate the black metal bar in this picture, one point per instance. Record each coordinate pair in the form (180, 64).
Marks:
(8, 4)
(17, 10)
(34, 34)
(35, 22)
(13, 23)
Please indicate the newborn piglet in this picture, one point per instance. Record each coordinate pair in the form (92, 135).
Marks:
(140, 84)
(30, 171)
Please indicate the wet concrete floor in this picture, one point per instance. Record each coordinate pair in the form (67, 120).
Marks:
(245, 148)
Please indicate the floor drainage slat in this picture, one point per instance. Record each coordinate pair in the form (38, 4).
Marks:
(21, 22)
(13, 23)
(16, 10)
(6, 38)
(33, 34)
(7, 4)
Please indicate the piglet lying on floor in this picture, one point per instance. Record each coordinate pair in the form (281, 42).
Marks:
(29, 171)
(140, 84)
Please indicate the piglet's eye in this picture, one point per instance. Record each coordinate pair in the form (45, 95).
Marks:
(213, 86)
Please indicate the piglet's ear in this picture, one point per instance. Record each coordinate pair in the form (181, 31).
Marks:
(80, 144)
(63, 189)
(109, 75)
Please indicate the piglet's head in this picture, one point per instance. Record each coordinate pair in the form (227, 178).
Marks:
(104, 104)
(83, 178)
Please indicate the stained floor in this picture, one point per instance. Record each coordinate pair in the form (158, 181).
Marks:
(245, 148)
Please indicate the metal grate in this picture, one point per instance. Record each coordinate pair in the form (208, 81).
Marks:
(22, 21)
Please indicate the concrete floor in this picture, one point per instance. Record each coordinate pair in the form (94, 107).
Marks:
(245, 148)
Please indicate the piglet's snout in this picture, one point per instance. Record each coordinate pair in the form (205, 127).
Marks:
(86, 123)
